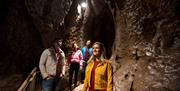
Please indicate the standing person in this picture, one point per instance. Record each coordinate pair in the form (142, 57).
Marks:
(86, 52)
(74, 62)
(99, 71)
(52, 65)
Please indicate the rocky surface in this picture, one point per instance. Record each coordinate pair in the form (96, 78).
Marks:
(146, 48)
(142, 38)
(27, 28)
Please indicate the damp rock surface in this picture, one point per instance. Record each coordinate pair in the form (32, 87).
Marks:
(141, 37)
(146, 54)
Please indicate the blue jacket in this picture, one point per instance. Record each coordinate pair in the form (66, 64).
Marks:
(83, 50)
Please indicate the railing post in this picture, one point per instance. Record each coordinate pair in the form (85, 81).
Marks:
(32, 85)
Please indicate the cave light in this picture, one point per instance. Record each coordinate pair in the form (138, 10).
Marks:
(79, 9)
(83, 5)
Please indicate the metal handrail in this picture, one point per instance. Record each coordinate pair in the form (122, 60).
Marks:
(30, 78)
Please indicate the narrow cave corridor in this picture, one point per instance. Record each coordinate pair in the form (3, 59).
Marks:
(141, 38)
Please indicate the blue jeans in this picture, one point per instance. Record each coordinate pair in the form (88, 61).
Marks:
(48, 85)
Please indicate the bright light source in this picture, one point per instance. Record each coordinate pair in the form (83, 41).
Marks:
(79, 9)
(83, 4)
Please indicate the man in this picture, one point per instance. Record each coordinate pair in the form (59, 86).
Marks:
(86, 52)
(52, 65)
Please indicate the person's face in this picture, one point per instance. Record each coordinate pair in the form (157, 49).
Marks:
(58, 44)
(75, 46)
(96, 50)
(88, 43)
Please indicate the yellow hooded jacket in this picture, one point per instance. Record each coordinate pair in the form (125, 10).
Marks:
(103, 76)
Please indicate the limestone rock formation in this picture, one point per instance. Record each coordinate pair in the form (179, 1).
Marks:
(142, 38)
(146, 48)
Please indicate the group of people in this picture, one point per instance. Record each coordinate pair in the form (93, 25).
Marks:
(96, 70)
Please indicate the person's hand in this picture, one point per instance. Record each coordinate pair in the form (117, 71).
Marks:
(80, 68)
(66, 66)
(48, 77)
(61, 75)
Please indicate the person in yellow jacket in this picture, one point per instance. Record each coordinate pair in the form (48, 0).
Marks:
(99, 71)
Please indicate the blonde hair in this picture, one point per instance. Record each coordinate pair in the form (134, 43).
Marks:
(103, 53)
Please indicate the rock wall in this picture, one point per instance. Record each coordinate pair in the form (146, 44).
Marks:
(142, 38)
(146, 48)
(21, 43)
(98, 24)
(27, 28)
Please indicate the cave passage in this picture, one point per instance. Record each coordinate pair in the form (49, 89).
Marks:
(141, 38)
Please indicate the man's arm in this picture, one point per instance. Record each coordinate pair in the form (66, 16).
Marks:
(63, 63)
(42, 63)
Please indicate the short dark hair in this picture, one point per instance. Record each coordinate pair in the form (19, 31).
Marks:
(56, 39)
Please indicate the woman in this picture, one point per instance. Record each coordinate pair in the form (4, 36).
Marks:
(75, 62)
(99, 71)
